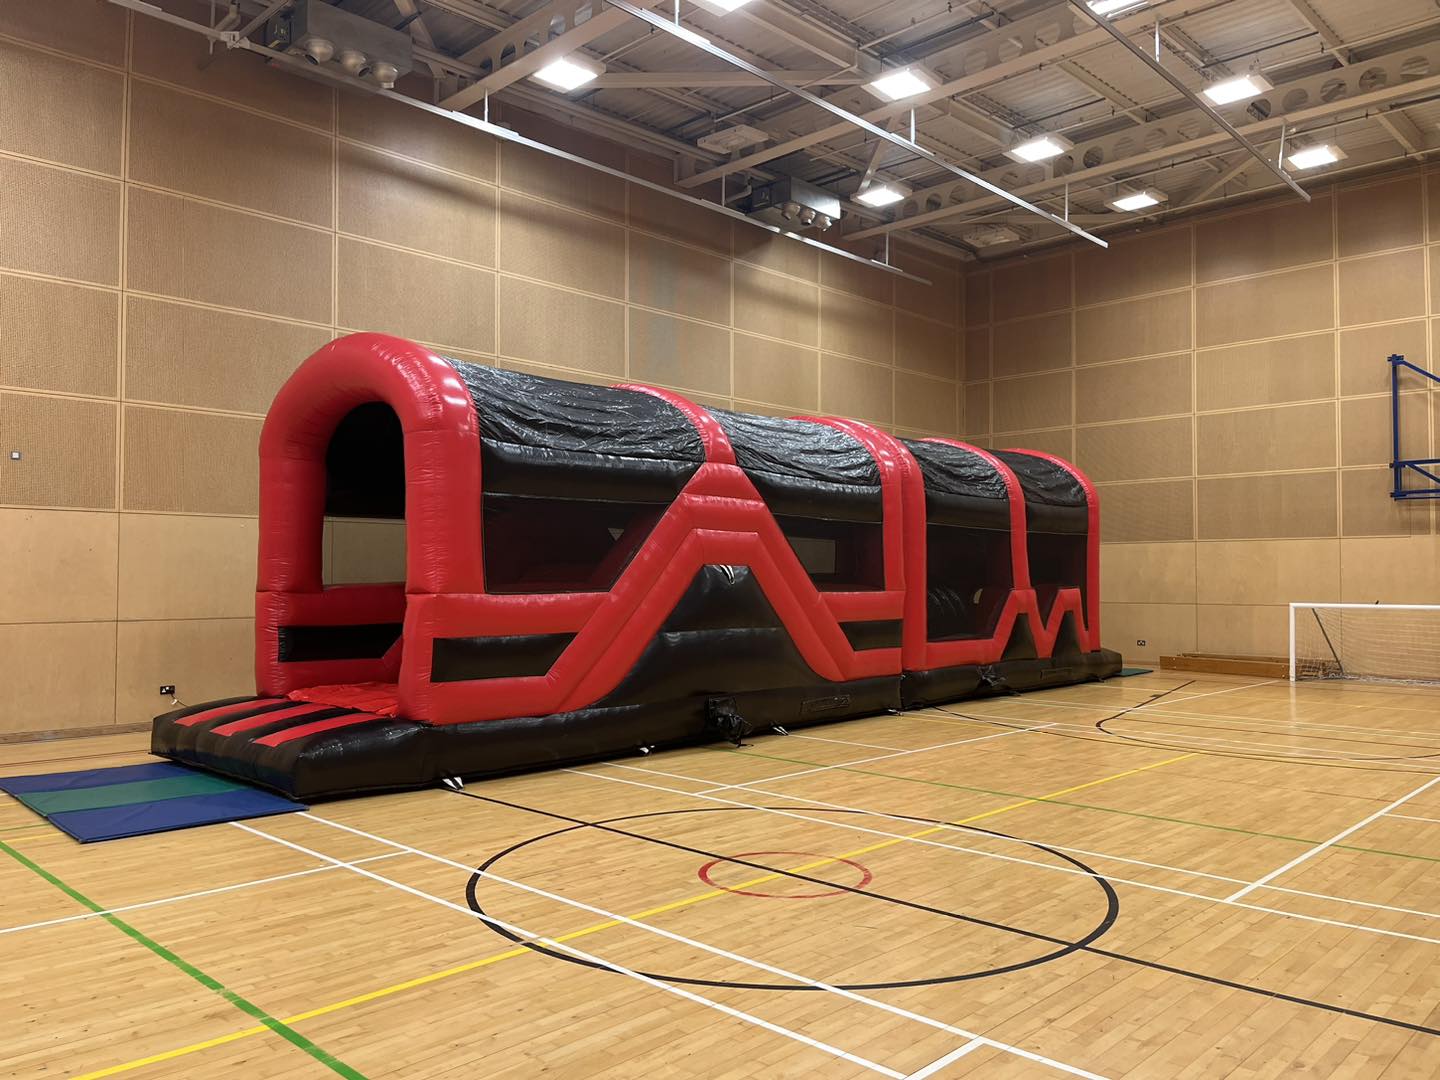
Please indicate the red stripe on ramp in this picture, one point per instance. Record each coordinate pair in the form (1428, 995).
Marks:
(226, 710)
(237, 726)
(310, 729)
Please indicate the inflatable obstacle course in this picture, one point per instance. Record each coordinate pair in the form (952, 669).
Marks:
(592, 570)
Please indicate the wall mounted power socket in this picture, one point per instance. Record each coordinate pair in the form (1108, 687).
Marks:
(167, 691)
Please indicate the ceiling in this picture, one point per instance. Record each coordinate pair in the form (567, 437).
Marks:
(1364, 76)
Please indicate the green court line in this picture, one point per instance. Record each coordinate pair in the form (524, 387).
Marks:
(249, 1009)
(1077, 805)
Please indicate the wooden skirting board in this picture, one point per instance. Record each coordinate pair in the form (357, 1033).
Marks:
(1264, 667)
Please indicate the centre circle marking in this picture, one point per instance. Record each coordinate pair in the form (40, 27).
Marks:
(1063, 946)
(865, 875)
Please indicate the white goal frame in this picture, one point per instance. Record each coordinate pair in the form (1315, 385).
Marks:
(1294, 606)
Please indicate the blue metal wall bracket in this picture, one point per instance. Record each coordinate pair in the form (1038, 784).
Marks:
(1400, 466)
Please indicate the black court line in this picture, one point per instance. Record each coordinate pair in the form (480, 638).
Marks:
(1070, 947)
(1107, 920)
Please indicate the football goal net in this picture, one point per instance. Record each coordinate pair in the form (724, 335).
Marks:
(1377, 642)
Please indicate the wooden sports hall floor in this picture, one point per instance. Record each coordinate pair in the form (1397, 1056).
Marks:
(1161, 876)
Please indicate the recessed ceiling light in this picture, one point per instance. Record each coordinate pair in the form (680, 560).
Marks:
(1114, 7)
(878, 195)
(570, 72)
(1137, 200)
(897, 85)
(1041, 149)
(1240, 88)
(721, 7)
(1312, 157)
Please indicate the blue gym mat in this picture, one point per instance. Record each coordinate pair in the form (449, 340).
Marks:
(1125, 673)
(134, 800)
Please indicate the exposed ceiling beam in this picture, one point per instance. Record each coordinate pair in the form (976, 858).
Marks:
(1156, 65)
(849, 119)
(504, 55)
(649, 80)
(999, 63)
(1387, 95)
(419, 32)
(1399, 126)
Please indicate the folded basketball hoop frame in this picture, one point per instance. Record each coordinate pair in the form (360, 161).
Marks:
(1400, 466)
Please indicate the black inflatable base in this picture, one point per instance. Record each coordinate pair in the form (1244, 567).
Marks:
(388, 755)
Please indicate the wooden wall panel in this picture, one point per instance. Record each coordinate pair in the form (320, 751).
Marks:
(73, 354)
(60, 110)
(1146, 327)
(1266, 372)
(1134, 266)
(411, 205)
(1293, 302)
(1377, 217)
(679, 352)
(1285, 234)
(1159, 386)
(184, 143)
(774, 371)
(67, 448)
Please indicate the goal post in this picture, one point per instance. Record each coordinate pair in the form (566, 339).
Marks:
(1376, 642)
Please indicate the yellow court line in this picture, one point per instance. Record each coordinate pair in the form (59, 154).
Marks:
(595, 928)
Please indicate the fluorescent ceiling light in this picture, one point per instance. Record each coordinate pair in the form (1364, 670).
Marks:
(878, 195)
(569, 72)
(1312, 157)
(1240, 88)
(721, 7)
(1137, 200)
(1114, 7)
(1041, 149)
(897, 85)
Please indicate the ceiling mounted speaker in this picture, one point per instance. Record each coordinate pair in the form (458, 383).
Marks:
(319, 50)
(355, 63)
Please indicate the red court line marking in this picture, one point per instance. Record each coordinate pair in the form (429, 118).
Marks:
(865, 876)
(310, 729)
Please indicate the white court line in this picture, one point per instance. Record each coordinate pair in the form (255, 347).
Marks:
(1306, 755)
(1412, 817)
(661, 932)
(1227, 690)
(963, 830)
(846, 742)
(1370, 730)
(833, 1051)
(1318, 848)
(940, 1062)
(882, 757)
(1023, 862)
(189, 896)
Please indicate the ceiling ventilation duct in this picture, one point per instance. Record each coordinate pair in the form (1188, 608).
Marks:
(983, 236)
(322, 34)
(793, 204)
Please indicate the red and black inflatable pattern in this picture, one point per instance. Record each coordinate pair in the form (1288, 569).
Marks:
(592, 569)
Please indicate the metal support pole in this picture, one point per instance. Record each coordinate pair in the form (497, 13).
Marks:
(1395, 467)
